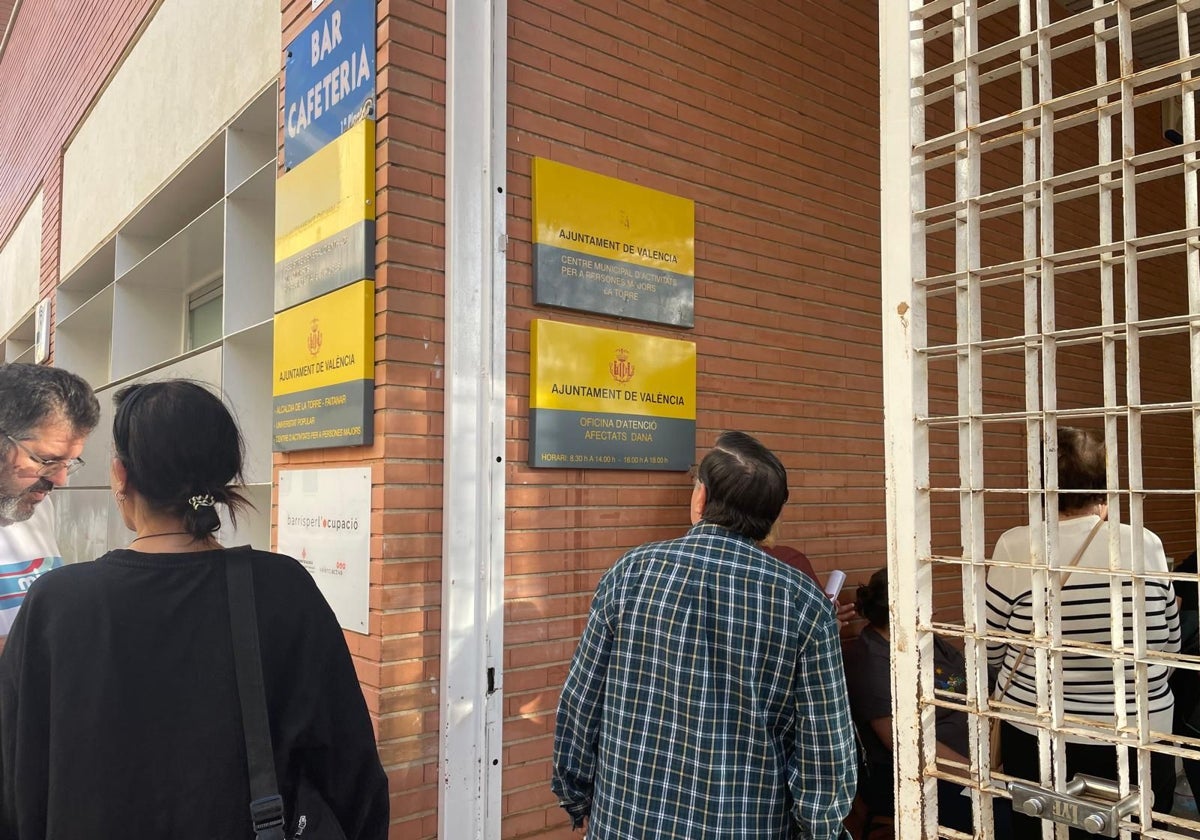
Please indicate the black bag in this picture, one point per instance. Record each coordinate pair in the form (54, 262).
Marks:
(313, 819)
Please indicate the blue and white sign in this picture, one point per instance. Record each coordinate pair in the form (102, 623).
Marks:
(330, 82)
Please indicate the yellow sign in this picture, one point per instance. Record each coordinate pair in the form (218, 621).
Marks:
(604, 245)
(326, 341)
(587, 369)
(605, 217)
(327, 193)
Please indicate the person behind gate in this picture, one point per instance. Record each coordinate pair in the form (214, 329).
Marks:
(1087, 687)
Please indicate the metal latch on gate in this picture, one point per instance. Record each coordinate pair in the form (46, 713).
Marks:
(1092, 804)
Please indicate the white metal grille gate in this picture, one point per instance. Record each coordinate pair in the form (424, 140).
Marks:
(1041, 268)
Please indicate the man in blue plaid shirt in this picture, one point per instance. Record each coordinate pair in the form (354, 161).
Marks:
(707, 698)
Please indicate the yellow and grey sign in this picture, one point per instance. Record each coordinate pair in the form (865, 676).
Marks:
(325, 219)
(324, 388)
(607, 399)
(605, 245)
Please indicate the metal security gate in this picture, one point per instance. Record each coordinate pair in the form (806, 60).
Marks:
(1041, 269)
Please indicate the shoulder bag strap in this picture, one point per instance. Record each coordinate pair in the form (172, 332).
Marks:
(1070, 567)
(266, 805)
(1002, 689)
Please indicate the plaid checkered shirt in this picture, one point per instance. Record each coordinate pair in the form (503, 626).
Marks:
(706, 700)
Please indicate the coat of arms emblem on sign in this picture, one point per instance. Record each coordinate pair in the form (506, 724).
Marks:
(621, 368)
(314, 336)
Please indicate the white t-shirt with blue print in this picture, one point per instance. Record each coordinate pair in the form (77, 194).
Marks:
(27, 550)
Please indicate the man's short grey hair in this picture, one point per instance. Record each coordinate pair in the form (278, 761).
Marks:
(32, 395)
(746, 485)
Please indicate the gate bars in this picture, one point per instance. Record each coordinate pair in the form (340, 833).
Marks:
(1040, 267)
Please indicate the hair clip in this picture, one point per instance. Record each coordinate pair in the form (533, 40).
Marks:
(198, 502)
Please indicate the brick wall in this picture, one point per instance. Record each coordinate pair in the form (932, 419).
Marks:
(406, 549)
(766, 115)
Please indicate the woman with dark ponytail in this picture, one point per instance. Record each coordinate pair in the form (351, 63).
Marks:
(119, 709)
(166, 481)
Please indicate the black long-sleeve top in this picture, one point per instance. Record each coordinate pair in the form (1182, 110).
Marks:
(119, 712)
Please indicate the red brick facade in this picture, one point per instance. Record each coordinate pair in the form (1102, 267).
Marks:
(767, 118)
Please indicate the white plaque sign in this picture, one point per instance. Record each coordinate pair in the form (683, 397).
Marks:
(325, 523)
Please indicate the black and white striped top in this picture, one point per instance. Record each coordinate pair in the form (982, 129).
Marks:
(1086, 617)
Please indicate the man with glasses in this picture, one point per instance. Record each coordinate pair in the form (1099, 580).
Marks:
(46, 415)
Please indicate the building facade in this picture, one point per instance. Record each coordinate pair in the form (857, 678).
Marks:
(142, 162)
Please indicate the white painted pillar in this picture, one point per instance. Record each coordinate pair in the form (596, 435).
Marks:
(472, 627)
(905, 389)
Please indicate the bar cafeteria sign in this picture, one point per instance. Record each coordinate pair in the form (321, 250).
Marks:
(330, 81)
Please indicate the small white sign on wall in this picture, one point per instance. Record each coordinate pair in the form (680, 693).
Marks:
(325, 523)
(41, 332)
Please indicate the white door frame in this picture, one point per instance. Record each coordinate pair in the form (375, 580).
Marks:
(471, 702)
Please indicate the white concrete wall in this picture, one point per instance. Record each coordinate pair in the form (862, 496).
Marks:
(21, 267)
(196, 64)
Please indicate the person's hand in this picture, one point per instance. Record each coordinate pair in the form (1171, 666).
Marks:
(845, 613)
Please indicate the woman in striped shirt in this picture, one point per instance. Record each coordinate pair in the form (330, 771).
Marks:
(1087, 681)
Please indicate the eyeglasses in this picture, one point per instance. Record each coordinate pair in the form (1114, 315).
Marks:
(46, 467)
